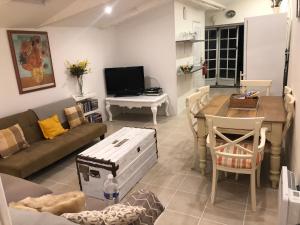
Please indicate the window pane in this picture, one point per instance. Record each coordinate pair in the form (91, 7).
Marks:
(206, 45)
(231, 64)
(212, 34)
(232, 43)
(232, 54)
(224, 33)
(212, 44)
(212, 64)
(223, 73)
(212, 54)
(232, 33)
(231, 73)
(223, 44)
(206, 34)
(206, 54)
(212, 73)
(223, 64)
(223, 54)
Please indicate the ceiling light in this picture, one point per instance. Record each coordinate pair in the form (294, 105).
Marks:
(108, 9)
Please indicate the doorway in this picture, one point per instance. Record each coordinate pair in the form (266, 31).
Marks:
(224, 55)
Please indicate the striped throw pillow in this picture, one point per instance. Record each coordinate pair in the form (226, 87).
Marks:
(75, 116)
(12, 140)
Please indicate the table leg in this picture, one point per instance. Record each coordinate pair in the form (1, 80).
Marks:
(108, 111)
(167, 106)
(154, 112)
(276, 138)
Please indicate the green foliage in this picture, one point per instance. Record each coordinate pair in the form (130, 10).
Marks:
(79, 68)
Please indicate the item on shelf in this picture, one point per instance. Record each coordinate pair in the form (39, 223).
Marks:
(186, 68)
(89, 105)
(78, 70)
(94, 118)
(154, 91)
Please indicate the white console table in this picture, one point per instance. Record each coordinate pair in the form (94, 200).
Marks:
(138, 102)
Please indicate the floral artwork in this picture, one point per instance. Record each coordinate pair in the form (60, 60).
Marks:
(32, 60)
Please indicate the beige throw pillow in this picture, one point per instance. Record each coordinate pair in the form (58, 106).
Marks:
(12, 140)
(75, 116)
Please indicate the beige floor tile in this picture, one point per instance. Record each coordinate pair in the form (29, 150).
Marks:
(232, 191)
(190, 204)
(209, 222)
(261, 217)
(192, 184)
(266, 198)
(224, 216)
(173, 218)
(163, 194)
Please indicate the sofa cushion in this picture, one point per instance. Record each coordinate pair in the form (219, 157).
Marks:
(51, 127)
(46, 152)
(75, 116)
(12, 140)
(28, 122)
(23, 217)
(17, 189)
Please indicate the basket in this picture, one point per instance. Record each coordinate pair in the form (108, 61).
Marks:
(247, 103)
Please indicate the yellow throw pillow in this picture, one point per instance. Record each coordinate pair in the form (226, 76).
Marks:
(51, 127)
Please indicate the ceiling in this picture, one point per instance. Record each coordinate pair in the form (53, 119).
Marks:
(38, 13)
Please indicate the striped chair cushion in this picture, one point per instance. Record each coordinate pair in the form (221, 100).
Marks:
(236, 162)
(75, 116)
(12, 140)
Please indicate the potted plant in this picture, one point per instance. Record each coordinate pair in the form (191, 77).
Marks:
(186, 68)
(77, 70)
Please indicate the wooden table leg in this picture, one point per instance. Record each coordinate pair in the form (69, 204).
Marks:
(108, 111)
(276, 140)
(154, 112)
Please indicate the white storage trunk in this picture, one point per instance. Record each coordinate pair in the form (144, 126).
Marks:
(128, 154)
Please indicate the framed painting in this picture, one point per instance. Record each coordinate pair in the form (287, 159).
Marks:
(31, 56)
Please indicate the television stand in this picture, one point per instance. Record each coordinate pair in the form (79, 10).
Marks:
(138, 102)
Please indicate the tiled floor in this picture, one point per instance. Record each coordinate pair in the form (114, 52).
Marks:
(183, 191)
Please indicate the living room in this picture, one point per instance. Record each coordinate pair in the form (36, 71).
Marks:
(169, 45)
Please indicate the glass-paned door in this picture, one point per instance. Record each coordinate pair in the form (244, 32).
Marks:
(228, 55)
(221, 54)
(211, 46)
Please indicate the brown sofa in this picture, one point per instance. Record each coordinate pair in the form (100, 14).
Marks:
(42, 152)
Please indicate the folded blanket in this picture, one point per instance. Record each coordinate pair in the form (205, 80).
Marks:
(71, 202)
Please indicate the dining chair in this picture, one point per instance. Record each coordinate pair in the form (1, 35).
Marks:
(246, 84)
(194, 103)
(288, 90)
(242, 155)
(289, 103)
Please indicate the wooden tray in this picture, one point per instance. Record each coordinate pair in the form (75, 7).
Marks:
(247, 103)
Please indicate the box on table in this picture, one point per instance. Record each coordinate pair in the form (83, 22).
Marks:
(246, 103)
(128, 154)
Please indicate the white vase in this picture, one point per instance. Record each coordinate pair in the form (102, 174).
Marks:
(80, 84)
(276, 10)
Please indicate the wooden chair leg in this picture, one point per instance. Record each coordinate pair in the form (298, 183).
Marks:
(226, 174)
(258, 176)
(253, 191)
(214, 185)
(236, 176)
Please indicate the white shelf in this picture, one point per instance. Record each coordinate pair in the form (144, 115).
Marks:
(78, 98)
(91, 112)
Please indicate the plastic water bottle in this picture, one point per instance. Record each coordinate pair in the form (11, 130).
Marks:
(111, 190)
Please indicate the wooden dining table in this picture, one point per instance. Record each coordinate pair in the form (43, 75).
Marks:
(269, 107)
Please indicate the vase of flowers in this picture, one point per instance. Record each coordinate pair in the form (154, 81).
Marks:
(77, 70)
(276, 5)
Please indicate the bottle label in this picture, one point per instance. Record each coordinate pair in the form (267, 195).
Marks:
(111, 196)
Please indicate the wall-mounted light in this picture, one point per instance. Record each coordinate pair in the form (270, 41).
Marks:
(108, 10)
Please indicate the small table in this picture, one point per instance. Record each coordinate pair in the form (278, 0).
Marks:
(138, 102)
(269, 107)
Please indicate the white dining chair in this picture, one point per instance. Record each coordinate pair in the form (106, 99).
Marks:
(242, 155)
(289, 103)
(264, 84)
(194, 103)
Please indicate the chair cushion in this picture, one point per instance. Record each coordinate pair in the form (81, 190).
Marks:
(12, 140)
(75, 116)
(233, 162)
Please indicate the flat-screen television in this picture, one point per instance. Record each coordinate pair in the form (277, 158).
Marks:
(124, 81)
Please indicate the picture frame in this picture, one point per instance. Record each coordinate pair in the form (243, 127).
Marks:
(30, 51)
(298, 9)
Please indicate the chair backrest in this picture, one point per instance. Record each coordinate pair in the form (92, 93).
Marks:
(289, 102)
(288, 90)
(217, 124)
(266, 84)
(205, 95)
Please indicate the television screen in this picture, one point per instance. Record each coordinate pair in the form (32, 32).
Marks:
(124, 80)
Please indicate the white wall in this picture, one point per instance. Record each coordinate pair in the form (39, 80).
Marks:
(243, 8)
(293, 82)
(149, 40)
(187, 83)
(65, 44)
